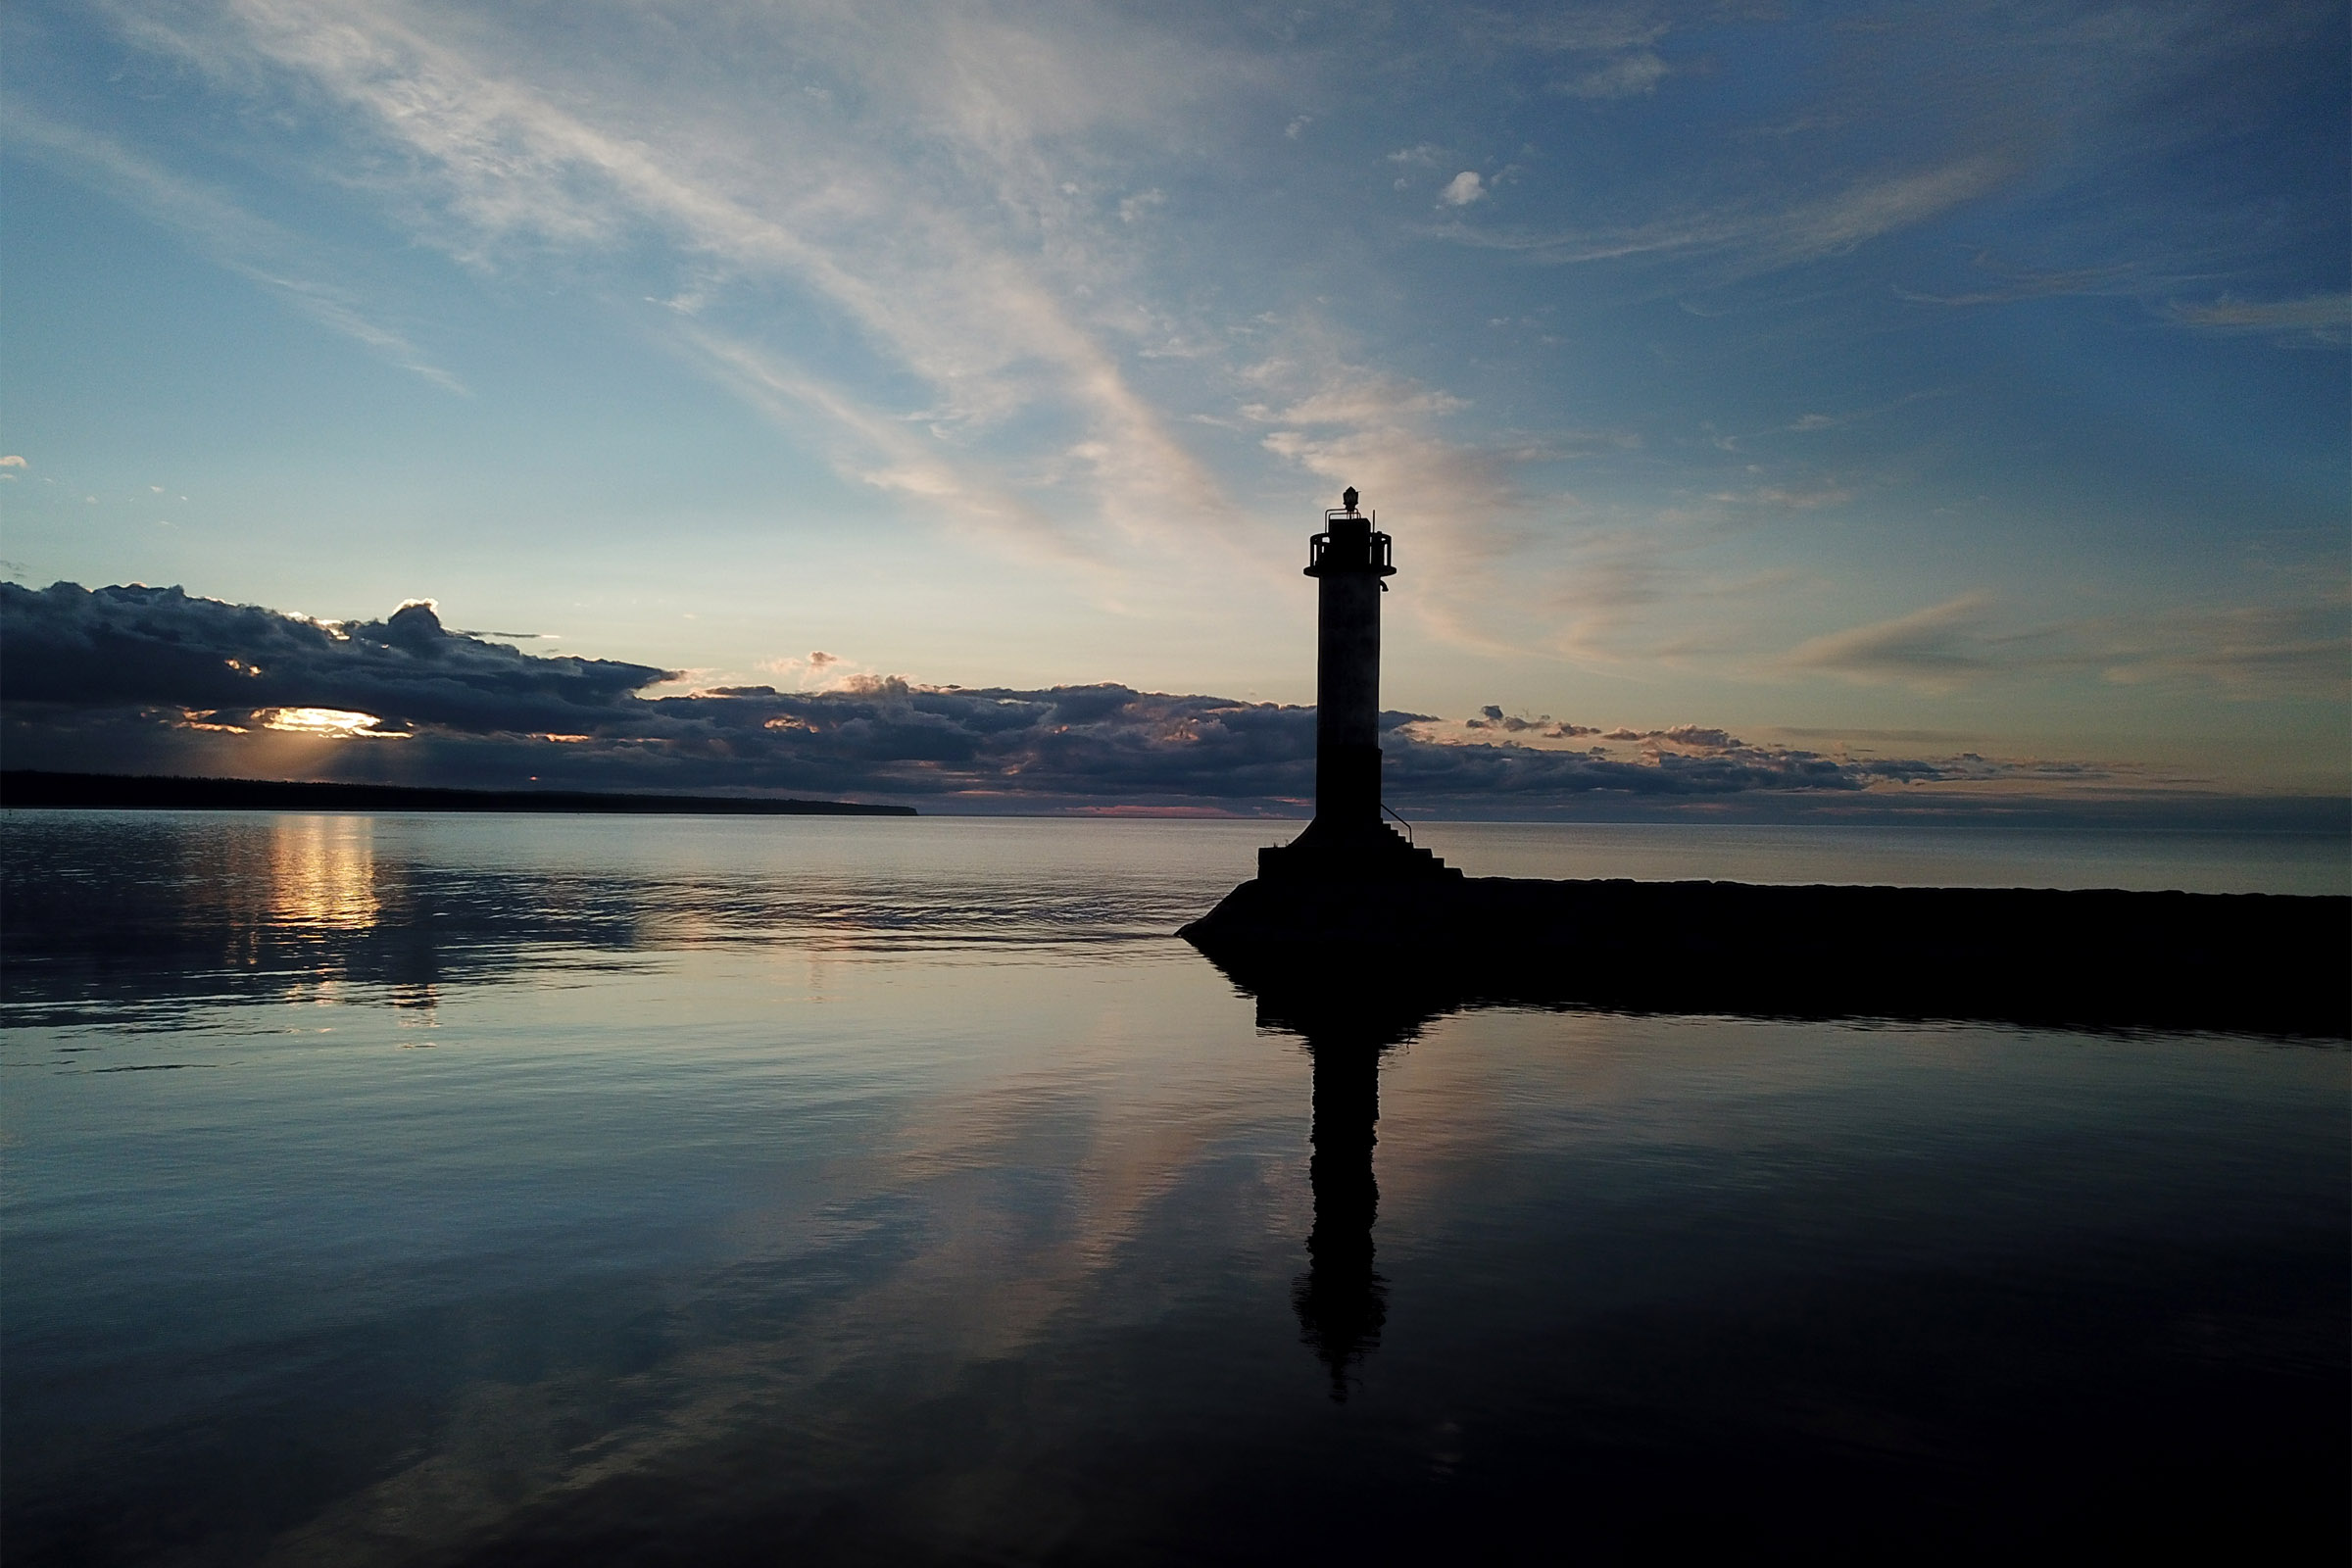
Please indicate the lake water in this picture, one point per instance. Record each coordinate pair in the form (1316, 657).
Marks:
(447, 1190)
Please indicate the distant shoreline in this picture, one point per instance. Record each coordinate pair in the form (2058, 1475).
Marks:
(33, 789)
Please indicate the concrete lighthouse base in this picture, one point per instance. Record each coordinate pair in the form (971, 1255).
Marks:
(1325, 855)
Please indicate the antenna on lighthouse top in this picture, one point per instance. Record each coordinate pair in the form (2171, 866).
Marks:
(1347, 499)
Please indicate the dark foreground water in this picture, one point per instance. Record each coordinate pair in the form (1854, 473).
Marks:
(560, 1190)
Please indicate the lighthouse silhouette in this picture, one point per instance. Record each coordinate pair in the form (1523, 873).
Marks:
(1350, 560)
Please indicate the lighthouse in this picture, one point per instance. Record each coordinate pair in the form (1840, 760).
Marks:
(1350, 563)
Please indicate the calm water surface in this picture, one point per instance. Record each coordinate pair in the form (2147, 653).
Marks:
(448, 1189)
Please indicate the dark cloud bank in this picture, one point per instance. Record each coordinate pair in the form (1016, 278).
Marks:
(151, 681)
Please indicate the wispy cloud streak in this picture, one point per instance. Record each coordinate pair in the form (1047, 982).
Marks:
(2294, 648)
(1759, 236)
(497, 162)
(250, 246)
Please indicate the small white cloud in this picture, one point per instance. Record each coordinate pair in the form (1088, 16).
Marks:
(1136, 205)
(12, 460)
(1424, 156)
(1297, 127)
(1462, 189)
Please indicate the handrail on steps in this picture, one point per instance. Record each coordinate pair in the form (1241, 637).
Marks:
(1401, 821)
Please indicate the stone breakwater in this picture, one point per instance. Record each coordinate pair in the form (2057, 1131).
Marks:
(2099, 959)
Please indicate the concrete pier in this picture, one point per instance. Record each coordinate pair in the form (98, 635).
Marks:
(1372, 955)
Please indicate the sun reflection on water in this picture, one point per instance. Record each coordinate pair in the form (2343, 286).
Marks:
(322, 873)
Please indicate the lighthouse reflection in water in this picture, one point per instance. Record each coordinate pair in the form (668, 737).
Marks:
(1342, 1299)
(1349, 1019)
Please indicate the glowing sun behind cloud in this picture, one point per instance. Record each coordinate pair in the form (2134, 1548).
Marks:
(333, 723)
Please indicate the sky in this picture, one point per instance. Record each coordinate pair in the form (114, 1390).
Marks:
(1870, 403)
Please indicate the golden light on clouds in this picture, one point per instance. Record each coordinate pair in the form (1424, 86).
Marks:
(333, 723)
(203, 719)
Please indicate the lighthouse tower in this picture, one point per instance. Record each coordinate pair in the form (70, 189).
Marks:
(1347, 840)
(1349, 561)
